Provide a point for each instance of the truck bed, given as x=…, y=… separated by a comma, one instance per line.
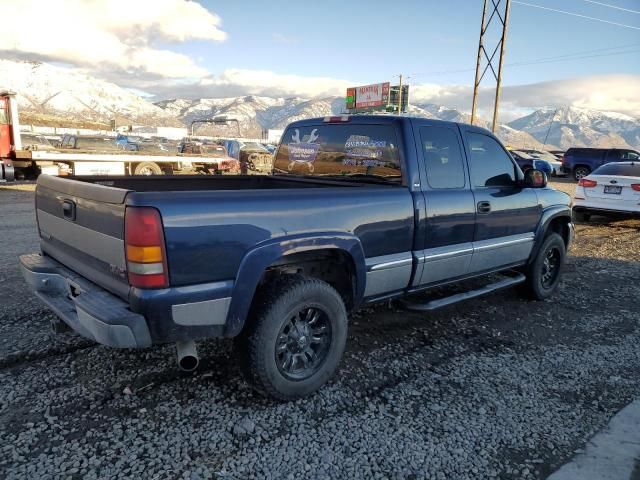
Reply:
x=81, y=220
x=176, y=183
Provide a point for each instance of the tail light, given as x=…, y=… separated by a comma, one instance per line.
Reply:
x=636, y=187
x=144, y=244
x=583, y=182
x=563, y=159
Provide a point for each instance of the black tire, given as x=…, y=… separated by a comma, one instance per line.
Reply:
x=541, y=280
x=581, y=216
x=580, y=172
x=147, y=168
x=268, y=344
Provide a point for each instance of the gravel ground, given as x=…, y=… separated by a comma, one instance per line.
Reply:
x=497, y=387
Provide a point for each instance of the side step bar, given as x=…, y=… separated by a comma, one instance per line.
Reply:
x=459, y=297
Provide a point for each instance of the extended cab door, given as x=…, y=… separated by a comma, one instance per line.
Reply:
x=506, y=213
x=450, y=209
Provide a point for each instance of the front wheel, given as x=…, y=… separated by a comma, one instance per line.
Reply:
x=543, y=273
x=295, y=338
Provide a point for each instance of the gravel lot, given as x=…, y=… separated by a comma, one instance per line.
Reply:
x=497, y=387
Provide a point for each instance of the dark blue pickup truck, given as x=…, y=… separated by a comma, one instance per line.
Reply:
x=359, y=209
x=580, y=162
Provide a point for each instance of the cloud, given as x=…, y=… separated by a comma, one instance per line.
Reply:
x=237, y=82
x=109, y=35
x=607, y=92
x=617, y=93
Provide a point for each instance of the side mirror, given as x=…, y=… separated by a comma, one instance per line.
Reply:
x=535, y=178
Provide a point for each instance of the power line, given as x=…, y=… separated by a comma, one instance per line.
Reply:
x=533, y=61
x=573, y=58
x=576, y=15
x=612, y=6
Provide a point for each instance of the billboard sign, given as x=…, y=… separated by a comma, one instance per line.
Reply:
x=375, y=95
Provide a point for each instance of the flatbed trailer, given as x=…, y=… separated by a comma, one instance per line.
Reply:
x=17, y=162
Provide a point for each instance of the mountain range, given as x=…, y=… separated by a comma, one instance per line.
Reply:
x=50, y=95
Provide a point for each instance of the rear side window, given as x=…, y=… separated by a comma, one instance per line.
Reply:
x=443, y=157
x=339, y=149
x=617, y=169
x=629, y=155
x=491, y=165
x=585, y=152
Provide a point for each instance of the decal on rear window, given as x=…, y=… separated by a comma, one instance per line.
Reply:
x=362, y=151
x=349, y=149
x=303, y=152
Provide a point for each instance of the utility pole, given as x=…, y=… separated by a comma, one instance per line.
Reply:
x=476, y=83
x=546, y=137
x=501, y=16
x=400, y=96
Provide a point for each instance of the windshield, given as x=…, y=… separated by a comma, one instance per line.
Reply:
x=339, y=150
x=253, y=146
x=214, y=150
x=520, y=154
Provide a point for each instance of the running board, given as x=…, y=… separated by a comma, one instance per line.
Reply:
x=459, y=297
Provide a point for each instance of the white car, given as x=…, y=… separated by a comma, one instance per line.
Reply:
x=612, y=188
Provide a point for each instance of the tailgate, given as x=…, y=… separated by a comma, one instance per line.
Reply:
x=81, y=225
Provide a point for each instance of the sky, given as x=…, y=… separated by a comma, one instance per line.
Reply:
x=179, y=48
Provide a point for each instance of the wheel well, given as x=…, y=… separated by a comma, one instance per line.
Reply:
x=333, y=266
x=560, y=225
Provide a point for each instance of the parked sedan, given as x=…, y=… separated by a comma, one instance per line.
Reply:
x=613, y=188
x=526, y=161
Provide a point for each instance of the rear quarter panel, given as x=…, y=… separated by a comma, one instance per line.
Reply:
x=207, y=234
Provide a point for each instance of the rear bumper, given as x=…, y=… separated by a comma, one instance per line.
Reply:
x=150, y=316
x=595, y=206
x=89, y=310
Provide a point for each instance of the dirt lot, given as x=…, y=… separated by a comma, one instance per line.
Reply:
x=498, y=387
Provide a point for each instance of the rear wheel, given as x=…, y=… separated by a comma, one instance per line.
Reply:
x=581, y=172
x=295, y=338
x=148, y=168
x=543, y=273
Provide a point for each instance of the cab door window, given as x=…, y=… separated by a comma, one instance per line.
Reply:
x=490, y=164
x=442, y=157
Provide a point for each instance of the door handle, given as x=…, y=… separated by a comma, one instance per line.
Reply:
x=69, y=209
x=483, y=207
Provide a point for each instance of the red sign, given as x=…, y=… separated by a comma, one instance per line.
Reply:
x=374, y=95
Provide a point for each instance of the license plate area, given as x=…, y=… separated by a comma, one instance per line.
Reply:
x=612, y=189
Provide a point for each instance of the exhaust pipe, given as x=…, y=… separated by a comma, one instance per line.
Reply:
x=188, y=359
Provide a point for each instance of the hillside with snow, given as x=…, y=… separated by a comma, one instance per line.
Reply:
x=254, y=113
x=50, y=91
x=579, y=127
x=57, y=96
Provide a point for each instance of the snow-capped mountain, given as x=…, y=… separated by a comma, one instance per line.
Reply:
x=52, y=95
x=579, y=127
x=510, y=136
x=253, y=113
x=256, y=114
x=52, y=91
